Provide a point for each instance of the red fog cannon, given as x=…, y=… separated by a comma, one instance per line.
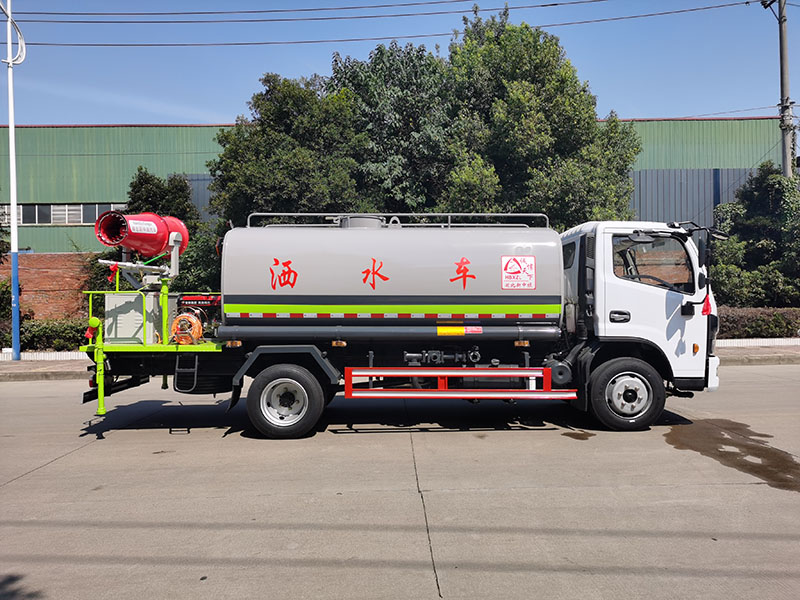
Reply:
x=145, y=233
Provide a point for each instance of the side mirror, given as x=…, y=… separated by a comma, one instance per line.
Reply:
x=702, y=281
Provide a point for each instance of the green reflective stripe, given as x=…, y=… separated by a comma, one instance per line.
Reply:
x=156, y=348
x=537, y=309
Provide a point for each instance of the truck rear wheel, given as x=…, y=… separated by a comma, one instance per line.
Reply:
x=627, y=394
x=285, y=401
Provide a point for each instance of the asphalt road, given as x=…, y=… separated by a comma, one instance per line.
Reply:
x=169, y=496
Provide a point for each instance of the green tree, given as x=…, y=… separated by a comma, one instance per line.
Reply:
x=295, y=154
x=171, y=196
x=501, y=125
x=760, y=264
x=403, y=101
x=5, y=246
x=524, y=111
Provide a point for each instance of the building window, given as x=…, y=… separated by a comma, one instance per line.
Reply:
x=28, y=214
x=5, y=214
x=43, y=214
x=89, y=213
x=56, y=214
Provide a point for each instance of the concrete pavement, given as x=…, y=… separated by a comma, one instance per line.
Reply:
x=170, y=496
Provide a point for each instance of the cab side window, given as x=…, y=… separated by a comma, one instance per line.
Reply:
x=662, y=262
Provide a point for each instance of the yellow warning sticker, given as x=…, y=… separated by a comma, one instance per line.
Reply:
x=449, y=330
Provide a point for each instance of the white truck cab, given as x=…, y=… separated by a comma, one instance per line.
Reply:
x=640, y=290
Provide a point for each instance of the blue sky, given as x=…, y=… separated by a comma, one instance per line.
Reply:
x=668, y=66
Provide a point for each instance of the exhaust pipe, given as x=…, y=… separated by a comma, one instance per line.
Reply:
x=145, y=233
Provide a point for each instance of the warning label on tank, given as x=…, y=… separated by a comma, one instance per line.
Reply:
x=518, y=272
x=142, y=227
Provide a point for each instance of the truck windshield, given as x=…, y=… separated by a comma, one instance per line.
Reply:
x=661, y=262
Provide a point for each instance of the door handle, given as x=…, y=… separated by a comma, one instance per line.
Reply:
x=619, y=316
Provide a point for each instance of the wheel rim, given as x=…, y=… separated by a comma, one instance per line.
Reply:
x=629, y=395
x=284, y=402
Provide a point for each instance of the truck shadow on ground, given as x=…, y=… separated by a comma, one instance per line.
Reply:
x=12, y=589
x=345, y=416
x=350, y=417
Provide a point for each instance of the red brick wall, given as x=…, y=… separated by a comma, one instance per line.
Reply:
x=51, y=283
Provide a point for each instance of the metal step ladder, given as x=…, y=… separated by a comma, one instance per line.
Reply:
x=181, y=370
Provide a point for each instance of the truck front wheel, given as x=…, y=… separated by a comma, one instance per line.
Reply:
x=285, y=401
x=627, y=394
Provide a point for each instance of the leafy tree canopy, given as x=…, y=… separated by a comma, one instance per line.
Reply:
x=760, y=264
x=5, y=245
x=171, y=196
x=501, y=125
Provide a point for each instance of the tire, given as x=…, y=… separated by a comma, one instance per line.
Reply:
x=285, y=401
x=626, y=394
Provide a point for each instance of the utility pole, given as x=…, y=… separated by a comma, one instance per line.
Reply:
x=787, y=123
x=12, y=173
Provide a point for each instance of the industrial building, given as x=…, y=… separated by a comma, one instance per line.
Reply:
x=68, y=175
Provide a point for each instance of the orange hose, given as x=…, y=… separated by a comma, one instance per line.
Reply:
x=186, y=329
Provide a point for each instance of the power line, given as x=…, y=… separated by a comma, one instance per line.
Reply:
x=280, y=10
x=729, y=112
x=361, y=39
x=293, y=19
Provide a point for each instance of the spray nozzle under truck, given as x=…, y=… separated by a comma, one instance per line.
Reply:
x=609, y=316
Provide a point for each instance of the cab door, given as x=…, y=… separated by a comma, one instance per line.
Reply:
x=651, y=292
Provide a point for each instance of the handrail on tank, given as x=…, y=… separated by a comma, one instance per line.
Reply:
x=336, y=217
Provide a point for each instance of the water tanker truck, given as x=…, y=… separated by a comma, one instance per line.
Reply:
x=611, y=317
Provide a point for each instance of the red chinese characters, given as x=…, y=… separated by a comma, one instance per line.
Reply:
x=372, y=273
x=287, y=276
x=462, y=272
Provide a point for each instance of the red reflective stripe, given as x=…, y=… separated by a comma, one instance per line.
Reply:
x=348, y=382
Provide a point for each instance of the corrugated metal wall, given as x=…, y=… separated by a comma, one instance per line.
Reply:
x=96, y=163
x=59, y=238
x=684, y=194
x=687, y=167
x=708, y=143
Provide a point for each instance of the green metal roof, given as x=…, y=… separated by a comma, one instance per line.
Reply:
x=59, y=238
x=708, y=143
x=64, y=165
